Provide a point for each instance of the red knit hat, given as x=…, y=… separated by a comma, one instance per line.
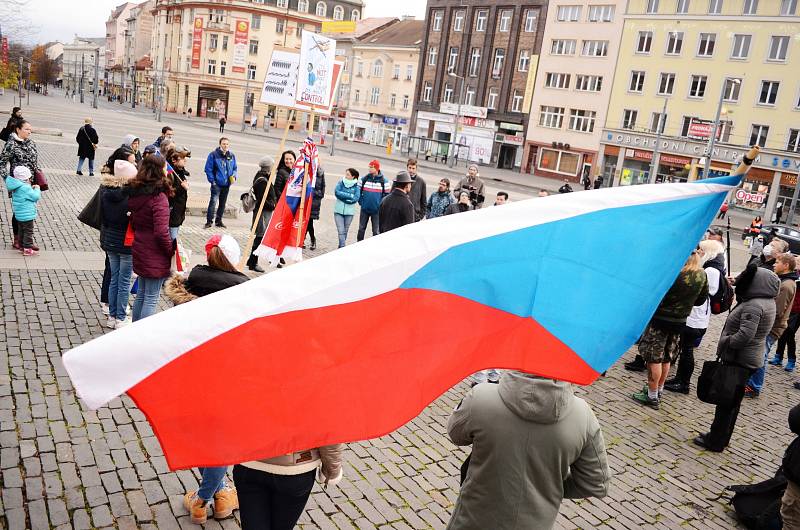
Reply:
x=375, y=164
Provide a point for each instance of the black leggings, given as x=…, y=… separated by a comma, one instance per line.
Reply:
x=14, y=224
x=787, y=340
x=271, y=502
x=310, y=230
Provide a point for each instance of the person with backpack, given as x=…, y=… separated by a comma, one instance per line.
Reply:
x=699, y=318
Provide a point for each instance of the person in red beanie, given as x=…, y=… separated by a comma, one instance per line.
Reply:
x=374, y=187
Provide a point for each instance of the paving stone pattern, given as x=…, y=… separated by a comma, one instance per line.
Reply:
x=63, y=466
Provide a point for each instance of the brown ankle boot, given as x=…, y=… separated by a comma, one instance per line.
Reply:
x=225, y=501
x=198, y=509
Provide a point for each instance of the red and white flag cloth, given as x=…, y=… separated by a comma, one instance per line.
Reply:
x=280, y=240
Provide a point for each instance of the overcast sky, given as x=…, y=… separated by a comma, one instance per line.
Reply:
x=62, y=19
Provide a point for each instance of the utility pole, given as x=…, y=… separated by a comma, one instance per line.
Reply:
x=29, y=84
x=83, y=70
x=19, y=82
x=660, y=126
x=712, y=141
x=133, y=99
x=96, y=86
x=246, y=90
x=452, y=158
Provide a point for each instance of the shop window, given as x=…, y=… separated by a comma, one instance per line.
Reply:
x=558, y=161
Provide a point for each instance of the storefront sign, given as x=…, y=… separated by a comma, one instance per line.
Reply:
x=511, y=126
x=391, y=120
x=701, y=129
x=663, y=159
x=434, y=116
x=509, y=139
x=476, y=122
x=465, y=110
x=339, y=26
x=316, y=77
x=240, y=46
x=197, y=42
x=5, y=49
x=746, y=196
x=355, y=115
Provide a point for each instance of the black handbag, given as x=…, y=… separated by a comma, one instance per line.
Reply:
x=92, y=214
x=721, y=383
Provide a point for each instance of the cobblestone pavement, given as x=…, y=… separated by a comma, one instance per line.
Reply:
x=63, y=466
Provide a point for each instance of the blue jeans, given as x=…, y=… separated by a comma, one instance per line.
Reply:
x=80, y=163
x=173, y=231
x=756, y=381
x=147, y=297
x=342, y=226
x=120, y=285
x=213, y=480
x=217, y=193
x=363, y=219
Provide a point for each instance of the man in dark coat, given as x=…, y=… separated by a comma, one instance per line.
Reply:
x=87, y=144
x=419, y=192
x=396, y=209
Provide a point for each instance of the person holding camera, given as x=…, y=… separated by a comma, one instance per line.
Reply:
x=473, y=185
x=464, y=204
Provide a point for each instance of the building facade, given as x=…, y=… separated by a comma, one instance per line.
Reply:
x=138, y=39
x=477, y=67
x=574, y=77
x=690, y=58
x=115, y=33
x=197, y=66
x=78, y=64
x=381, y=95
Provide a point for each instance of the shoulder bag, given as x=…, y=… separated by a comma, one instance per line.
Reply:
x=721, y=383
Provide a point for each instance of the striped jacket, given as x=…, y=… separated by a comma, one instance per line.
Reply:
x=373, y=190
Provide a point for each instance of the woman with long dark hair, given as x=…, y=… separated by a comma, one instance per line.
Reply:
x=19, y=151
x=152, y=245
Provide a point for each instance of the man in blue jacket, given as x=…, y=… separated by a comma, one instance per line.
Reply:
x=221, y=173
x=374, y=187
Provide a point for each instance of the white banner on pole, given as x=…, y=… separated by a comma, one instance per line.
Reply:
x=316, y=72
x=280, y=82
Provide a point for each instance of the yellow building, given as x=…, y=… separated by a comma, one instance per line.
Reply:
x=691, y=55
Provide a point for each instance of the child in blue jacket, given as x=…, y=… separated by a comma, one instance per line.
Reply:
x=23, y=201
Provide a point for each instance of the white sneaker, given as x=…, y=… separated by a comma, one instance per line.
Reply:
x=121, y=323
x=111, y=323
x=104, y=307
x=127, y=310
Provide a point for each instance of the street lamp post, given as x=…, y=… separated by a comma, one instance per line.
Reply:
x=660, y=126
x=96, y=87
x=246, y=90
x=19, y=82
x=83, y=70
x=452, y=158
x=713, y=140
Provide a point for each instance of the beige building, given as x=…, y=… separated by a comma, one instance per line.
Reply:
x=138, y=39
x=195, y=66
x=381, y=97
x=572, y=89
x=115, y=33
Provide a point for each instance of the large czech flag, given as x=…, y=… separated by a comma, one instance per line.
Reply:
x=352, y=344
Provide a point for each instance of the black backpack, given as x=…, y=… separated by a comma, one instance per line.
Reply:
x=758, y=506
x=722, y=300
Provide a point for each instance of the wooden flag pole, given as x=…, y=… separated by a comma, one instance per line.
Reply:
x=301, y=211
x=272, y=176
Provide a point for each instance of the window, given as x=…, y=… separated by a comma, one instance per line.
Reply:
x=730, y=90
x=589, y=83
x=682, y=7
x=497, y=64
x=253, y=47
x=769, y=92
x=405, y=102
x=524, y=60
x=480, y=20
x=280, y=25
x=601, y=13
x=448, y=93
x=255, y=21
x=674, y=42
x=469, y=96
x=666, y=84
x=741, y=46
x=213, y=40
x=374, y=96
x=283, y=4
x=505, y=20
x=396, y=72
x=224, y=42
x=251, y=72
x=322, y=9
x=714, y=7
x=516, y=101
x=568, y=13
x=778, y=46
x=409, y=72
x=758, y=135
x=706, y=46
x=556, y=80
x=658, y=121
x=392, y=100
x=427, y=92
x=788, y=7
x=212, y=67
x=452, y=59
x=652, y=7
x=697, y=88
x=595, y=48
x=302, y=6
x=637, y=81
x=581, y=120
x=644, y=42
x=474, y=62
x=530, y=21
x=377, y=68
x=356, y=96
x=223, y=67
x=355, y=16
x=217, y=16
x=551, y=117
x=437, y=21
x=432, y=52
x=750, y=7
x=558, y=161
x=458, y=21
x=562, y=47
x=338, y=13
x=794, y=140
x=491, y=99
x=629, y=118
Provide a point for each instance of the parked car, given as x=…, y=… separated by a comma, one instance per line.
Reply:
x=790, y=234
